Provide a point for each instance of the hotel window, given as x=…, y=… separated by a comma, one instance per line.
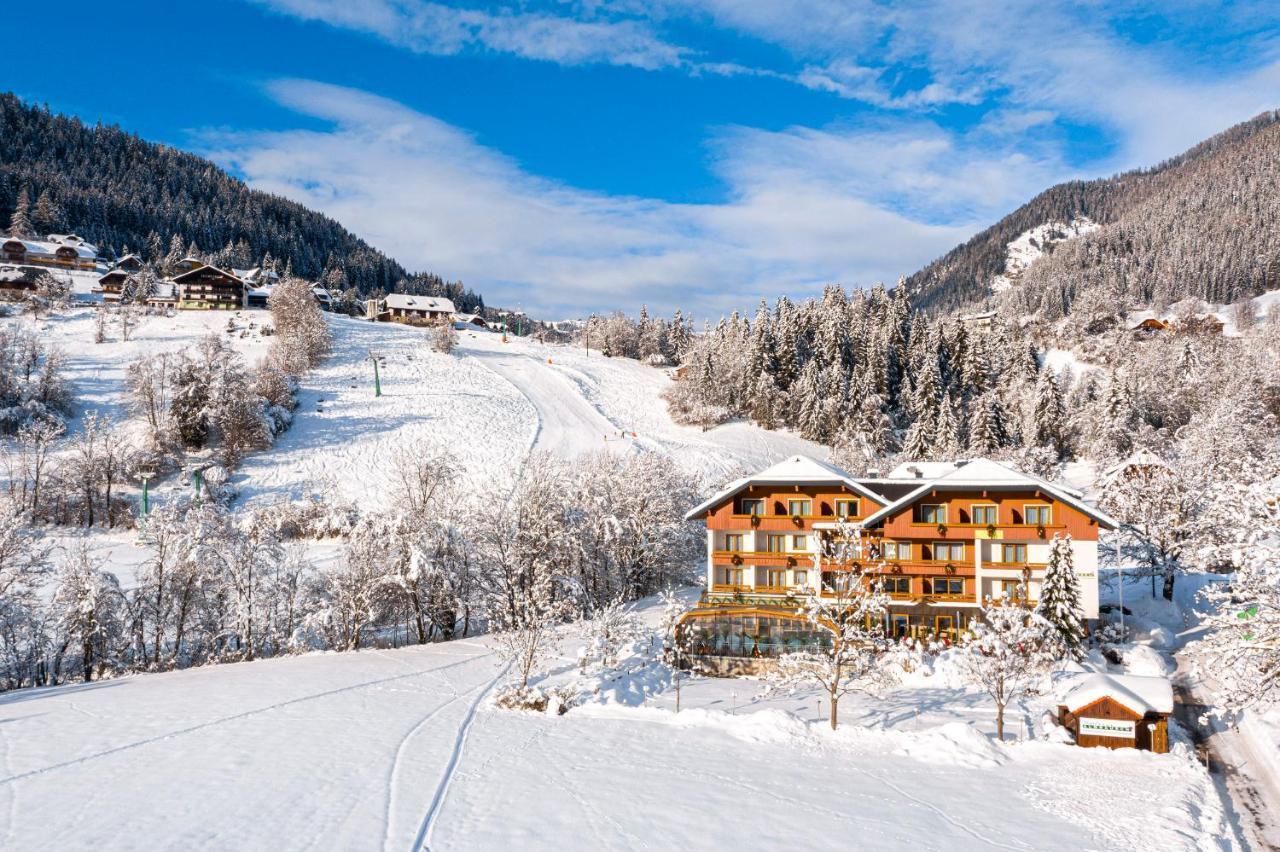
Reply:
x=846, y=508
x=1007, y=589
x=775, y=578
x=899, y=626
x=985, y=515
x=948, y=551
x=1037, y=515
x=1013, y=553
x=775, y=543
x=947, y=585
x=733, y=541
x=801, y=578
x=897, y=585
x=896, y=550
x=752, y=507
x=733, y=576
x=933, y=513
x=944, y=624
x=799, y=542
x=799, y=507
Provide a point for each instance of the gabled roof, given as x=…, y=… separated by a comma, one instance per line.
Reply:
x=1140, y=694
x=987, y=474
x=408, y=302
x=796, y=470
x=204, y=267
x=1142, y=458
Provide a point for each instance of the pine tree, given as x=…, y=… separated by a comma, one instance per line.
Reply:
x=1049, y=412
x=20, y=222
x=988, y=431
x=1059, y=602
x=946, y=441
x=47, y=215
x=917, y=445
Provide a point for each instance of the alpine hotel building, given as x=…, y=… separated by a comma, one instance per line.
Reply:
x=948, y=535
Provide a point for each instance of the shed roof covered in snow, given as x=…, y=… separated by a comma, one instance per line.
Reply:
x=1140, y=694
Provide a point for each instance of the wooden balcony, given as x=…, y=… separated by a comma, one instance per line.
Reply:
x=1016, y=566
x=762, y=557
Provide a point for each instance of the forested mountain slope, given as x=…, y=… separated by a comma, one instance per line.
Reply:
x=1205, y=224
x=118, y=190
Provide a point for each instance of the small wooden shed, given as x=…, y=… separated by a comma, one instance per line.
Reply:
x=1117, y=711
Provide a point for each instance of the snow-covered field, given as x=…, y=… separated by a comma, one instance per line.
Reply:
x=489, y=403
x=400, y=749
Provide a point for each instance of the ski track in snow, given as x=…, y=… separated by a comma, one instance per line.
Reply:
x=423, y=838
x=222, y=720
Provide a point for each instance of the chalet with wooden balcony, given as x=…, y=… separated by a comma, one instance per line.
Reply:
x=59, y=251
x=204, y=287
x=410, y=309
x=941, y=537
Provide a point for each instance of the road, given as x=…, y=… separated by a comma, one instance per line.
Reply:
x=1231, y=757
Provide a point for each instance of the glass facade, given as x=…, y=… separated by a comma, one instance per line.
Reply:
x=742, y=635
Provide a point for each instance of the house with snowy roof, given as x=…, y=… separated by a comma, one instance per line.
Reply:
x=411, y=309
x=939, y=537
x=60, y=251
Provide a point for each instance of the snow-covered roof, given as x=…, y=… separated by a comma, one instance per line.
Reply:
x=988, y=474
x=796, y=470
x=204, y=266
x=1141, y=459
x=54, y=242
x=921, y=470
x=407, y=302
x=1140, y=694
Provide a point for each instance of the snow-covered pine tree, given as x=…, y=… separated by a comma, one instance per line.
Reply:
x=1047, y=416
x=1059, y=603
x=20, y=222
x=946, y=432
x=918, y=443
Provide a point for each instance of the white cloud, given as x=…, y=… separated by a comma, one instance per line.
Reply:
x=428, y=27
x=806, y=207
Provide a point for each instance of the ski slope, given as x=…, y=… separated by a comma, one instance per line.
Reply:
x=490, y=404
x=399, y=750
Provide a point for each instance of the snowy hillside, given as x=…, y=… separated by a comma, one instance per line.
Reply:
x=398, y=749
x=1031, y=245
x=490, y=403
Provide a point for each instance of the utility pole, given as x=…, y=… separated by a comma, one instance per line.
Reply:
x=377, y=378
x=197, y=480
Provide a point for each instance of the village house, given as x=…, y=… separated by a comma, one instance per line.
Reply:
x=60, y=251
x=410, y=309
x=941, y=537
x=203, y=287
x=979, y=322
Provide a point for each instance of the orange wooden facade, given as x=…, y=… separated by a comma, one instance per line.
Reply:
x=1151, y=731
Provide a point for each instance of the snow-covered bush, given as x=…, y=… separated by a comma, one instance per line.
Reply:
x=443, y=338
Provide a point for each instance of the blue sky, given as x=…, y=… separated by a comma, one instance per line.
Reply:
x=572, y=156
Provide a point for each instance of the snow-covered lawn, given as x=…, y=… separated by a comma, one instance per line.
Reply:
x=399, y=748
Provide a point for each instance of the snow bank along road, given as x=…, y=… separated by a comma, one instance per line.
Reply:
x=397, y=749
